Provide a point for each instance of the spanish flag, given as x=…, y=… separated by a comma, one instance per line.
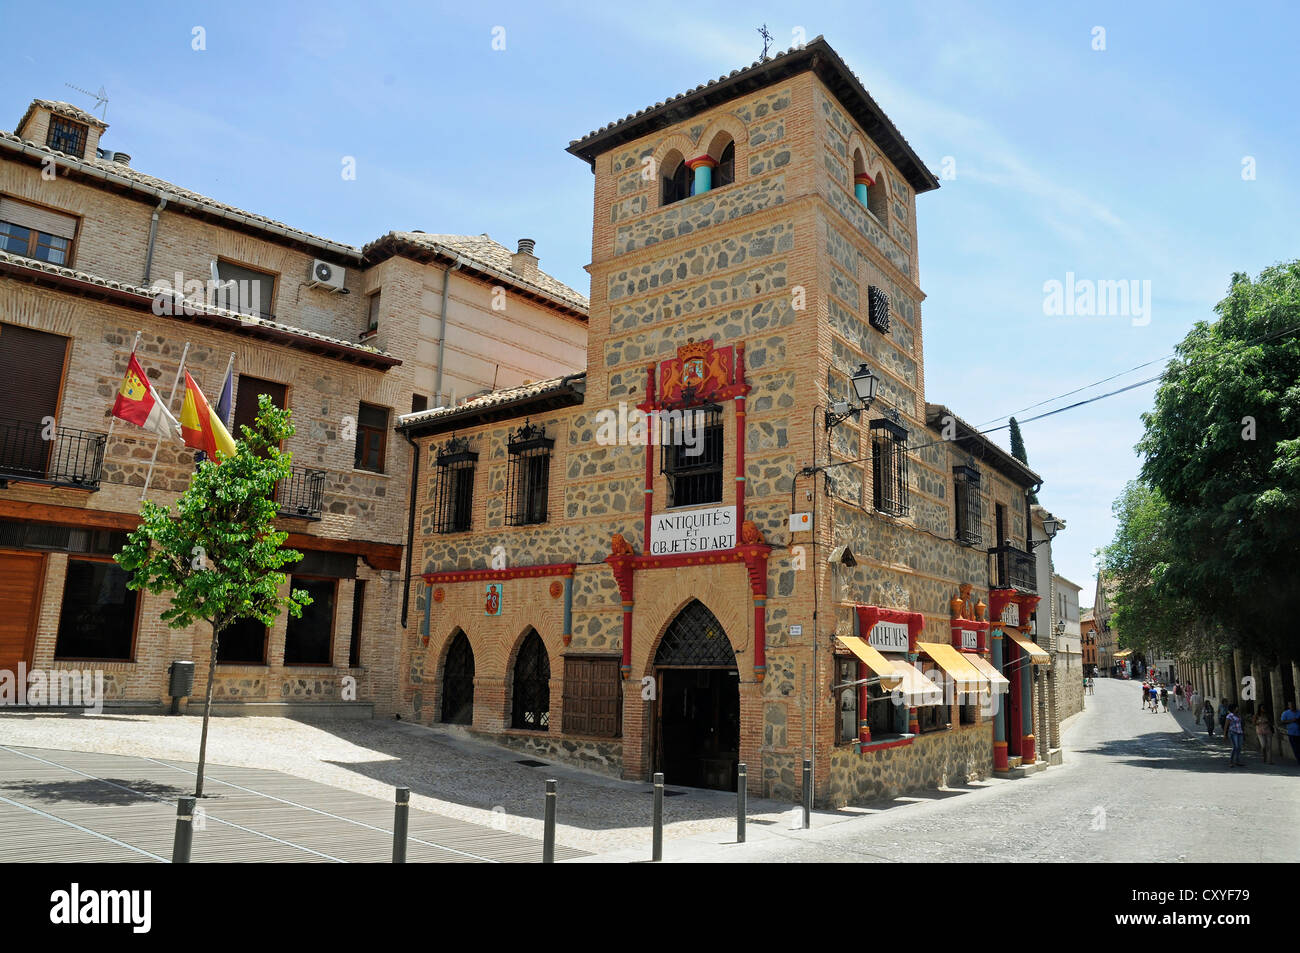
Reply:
x=201, y=428
x=138, y=403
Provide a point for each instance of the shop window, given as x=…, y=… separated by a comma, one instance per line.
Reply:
x=846, y=669
x=676, y=181
x=455, y=495
x=309, y=639
x=242, y=643
x=531, y=696
x=528, y=476
x=35, y=232
x=97, y=619
x=372, y=438
x=889, y=467
x=969, y=714
x=968, y=505
x=67, y=136
x=593, y=696
x=882, y=715
x=692, y=455
x=933, y=717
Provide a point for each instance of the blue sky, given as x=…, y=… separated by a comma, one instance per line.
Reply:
x=1116, y=164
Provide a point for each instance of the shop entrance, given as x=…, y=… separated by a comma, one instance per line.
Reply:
x=697, y=724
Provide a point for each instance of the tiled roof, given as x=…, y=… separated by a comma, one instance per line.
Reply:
x=816, y=55
x=496, y=399
x=102, y=168
x=981, y=446
x=60, y=108
x=36, y=266
x=490, y=256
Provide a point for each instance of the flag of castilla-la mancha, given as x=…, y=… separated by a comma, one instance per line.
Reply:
x=138, y=403
x=201, y=428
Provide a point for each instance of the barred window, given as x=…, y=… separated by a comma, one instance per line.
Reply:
x=878, y=311
x=968, y=505
x=692, y=454
x=889, y=467
x=67, y=136
x=455, y=497
x=528, y=479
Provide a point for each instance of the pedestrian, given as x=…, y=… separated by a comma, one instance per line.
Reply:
x=1146, y=694
x=1223, y=713
x=1164, y=697
x=1233, y=732
x=1207, y=716
x=1291, y=722
x=1155, y=700
x=1264, y=732
x=1194, y=702
x=1178, y=695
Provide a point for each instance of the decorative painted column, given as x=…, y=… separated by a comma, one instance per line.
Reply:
x=648, y=408
x=913, y=655
x=754, y=551
x=740, y=434
x=703, y=167
x=861, y=182
x=567, y=635
x=621, y=561
x=1000, y=713
x=1028, y=745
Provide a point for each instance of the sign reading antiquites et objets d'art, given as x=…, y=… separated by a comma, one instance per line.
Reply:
x=693, y=531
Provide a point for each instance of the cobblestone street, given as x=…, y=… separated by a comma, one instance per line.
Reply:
x=1134, y=787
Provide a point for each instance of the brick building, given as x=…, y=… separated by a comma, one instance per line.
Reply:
x=92, y=252
x=704, y=550
x=1088, y=642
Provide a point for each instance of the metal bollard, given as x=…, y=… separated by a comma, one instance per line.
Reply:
x=657, y=848
x=184, y=838
x=807, y=794
x=548, y=829
x=741, y=808
x=401, y=818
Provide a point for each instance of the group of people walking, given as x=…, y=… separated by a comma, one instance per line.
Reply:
x=1155, y=696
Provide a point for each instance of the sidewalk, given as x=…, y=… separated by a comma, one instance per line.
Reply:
x=1249, y=753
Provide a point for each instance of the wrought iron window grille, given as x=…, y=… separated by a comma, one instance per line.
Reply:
x=889, y=467
x=695, y=638
x=531, y=703
x=693, y=468
x=968, y=505
x=455, y=494
x=878, y=308
x=528, y=475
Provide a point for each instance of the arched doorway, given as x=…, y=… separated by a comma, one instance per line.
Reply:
x=458, y=682
x=531, y=698
x=697, y=724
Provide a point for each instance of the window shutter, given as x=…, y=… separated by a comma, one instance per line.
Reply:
x=40, y=219
x=31, y=366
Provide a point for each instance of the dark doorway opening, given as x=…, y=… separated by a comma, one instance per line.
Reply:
x=458, y=683
x=697, y=731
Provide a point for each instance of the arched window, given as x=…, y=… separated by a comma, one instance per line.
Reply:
x=531, y=708
x=458, y=682
x=877, y=200
x=676, y=178
x=725, y=173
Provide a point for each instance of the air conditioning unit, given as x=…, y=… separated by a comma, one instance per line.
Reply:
x=325, y=275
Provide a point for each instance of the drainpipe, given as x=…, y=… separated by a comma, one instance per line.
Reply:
x=442, y=327
x=153, y=233
x=410, y=526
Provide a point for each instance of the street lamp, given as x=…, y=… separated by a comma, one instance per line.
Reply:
x=865, y=385
x=1051, y=526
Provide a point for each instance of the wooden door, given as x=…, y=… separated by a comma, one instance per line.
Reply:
x=22, y=577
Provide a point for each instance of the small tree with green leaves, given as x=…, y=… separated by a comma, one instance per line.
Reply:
x=216, y=550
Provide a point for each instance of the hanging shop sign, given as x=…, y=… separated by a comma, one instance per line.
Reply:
x=1011, y=614
x=888, y=637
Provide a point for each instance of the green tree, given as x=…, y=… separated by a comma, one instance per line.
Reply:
x=1018, y=451
x=1223, y=448
x=216, y=551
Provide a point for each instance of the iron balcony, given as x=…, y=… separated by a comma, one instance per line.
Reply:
x=1014, y=568
x=32, y=452
x=301, y=495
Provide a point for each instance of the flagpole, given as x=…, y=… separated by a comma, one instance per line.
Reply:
x=180, y=369
x=112, y=421
x=230, y=366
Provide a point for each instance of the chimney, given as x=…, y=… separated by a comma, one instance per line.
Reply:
x=524, y=262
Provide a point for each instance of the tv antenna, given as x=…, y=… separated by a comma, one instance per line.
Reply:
x=100, y=98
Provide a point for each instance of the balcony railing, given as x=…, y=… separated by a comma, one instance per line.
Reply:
x=33, y=452
x=301, y=495
x=1014, y=569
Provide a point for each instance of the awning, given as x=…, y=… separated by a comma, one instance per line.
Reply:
x=1124, y=654
x=915, y=688
x=996, y=679
x=1037, y=654
x=889, y=677
x=966, y=677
